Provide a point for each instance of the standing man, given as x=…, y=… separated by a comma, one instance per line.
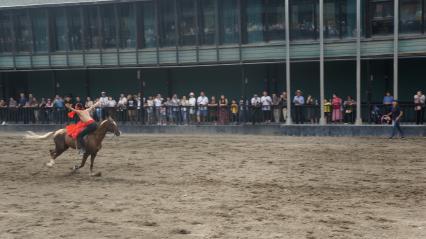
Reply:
x=266, y=102
x=396, y=115
x=100, y=112
x=298, y=102
x=158, y=102
x=202, y=103
x=419, y=106
x=192, y=102
x=255, y=108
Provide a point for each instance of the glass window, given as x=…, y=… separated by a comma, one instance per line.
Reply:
x=229, y=22
x=6, y=43
x=348, y=18
x=60, y=36
x=75, y=29
x=331, y=19
x=275, y=20
x=187, y=22
x=208, y=22
x=127, y=28
x=91, y=27
x=410, y=16
x=148, y=15
x=303, y=23
x=39, y=20
x=108, y=27
x=167, y=23
x=254, y=21
x=22, y=32
x=381, y=12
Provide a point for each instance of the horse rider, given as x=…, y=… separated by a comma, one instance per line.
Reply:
x=85, y=126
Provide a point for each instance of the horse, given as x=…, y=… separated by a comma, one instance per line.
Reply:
x=93, y=142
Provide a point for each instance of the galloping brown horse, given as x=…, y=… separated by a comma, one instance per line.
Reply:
x=93, y=142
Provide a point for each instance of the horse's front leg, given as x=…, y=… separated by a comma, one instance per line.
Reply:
x=92, y=160
x=83, y=162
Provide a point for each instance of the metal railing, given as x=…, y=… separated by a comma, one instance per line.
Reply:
x=185, y=115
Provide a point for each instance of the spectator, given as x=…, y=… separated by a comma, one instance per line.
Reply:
x=49, y=110
x=299, y=102
x=111, y=107
x=310, y=109
x=234, y=111
x=336, y=103
x=149, y=106
x=349, y=105
x=223, y=110
x=100, y=111
x=243, y=111
x=327, y=110
x=89, y=103
x=158, y=102
x=174, y=103
x=255, y=108
x=78, y=101
x=184, y=104
x=22, y=100
x=212, y=106
x=202, y=103
x=276, y=108
x=387, y=102
x=283, y=103
x=419, y=107
x=3, y=115
x=131, y=108
x=266, y=102
x=396, y=115
x=163, y=114
x=192, y=103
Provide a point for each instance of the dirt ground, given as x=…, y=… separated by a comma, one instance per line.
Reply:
x=169, y=186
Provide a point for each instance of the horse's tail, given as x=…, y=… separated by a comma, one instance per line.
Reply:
x=32, y=135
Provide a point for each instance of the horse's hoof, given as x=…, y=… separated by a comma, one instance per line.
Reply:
x=98, y=174
x=49, y=165
x=75, y=168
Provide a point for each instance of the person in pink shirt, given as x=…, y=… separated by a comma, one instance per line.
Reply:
x=336, y=103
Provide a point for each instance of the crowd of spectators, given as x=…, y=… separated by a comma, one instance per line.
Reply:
x=192, y=109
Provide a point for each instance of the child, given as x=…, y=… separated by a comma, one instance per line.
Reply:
x=327, y=110
x=234, y=111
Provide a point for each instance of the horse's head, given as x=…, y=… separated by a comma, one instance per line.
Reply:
x=112, y=127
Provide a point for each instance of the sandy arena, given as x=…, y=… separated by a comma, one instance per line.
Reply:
x=165, y=186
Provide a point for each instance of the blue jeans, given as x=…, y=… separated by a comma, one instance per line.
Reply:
x=396, y=127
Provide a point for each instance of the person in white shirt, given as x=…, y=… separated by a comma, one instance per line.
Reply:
x=419, y=107
x=202, y=103
x=255, y=109
x=150, y=110
x=266, y=102
x=158, y=102
x=298, y=102
x=184, y=103
x=192, y=102
x=103, y=103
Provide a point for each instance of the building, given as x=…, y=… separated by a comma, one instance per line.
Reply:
x=231, y=47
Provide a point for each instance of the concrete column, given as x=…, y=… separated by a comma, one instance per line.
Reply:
x=358, y=120
x=321, y=30
x=287, y=61
x=395, y=48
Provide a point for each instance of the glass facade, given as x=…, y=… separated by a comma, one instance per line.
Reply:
x=22, y=29
x=148, y=25
x=75, y=29
x=410, y=16
x=171, y=23
x=167, y=22
x=127, y=26
x=6, y=40
x=109, y=27
x=40, y=32
x=229, y=23
x=91, y=28
x=381, y=17
x=304, y=20
x=208, y=22
x=187, y=22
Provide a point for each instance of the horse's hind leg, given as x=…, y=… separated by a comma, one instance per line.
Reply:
x=83, y=162
x=60, y=147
